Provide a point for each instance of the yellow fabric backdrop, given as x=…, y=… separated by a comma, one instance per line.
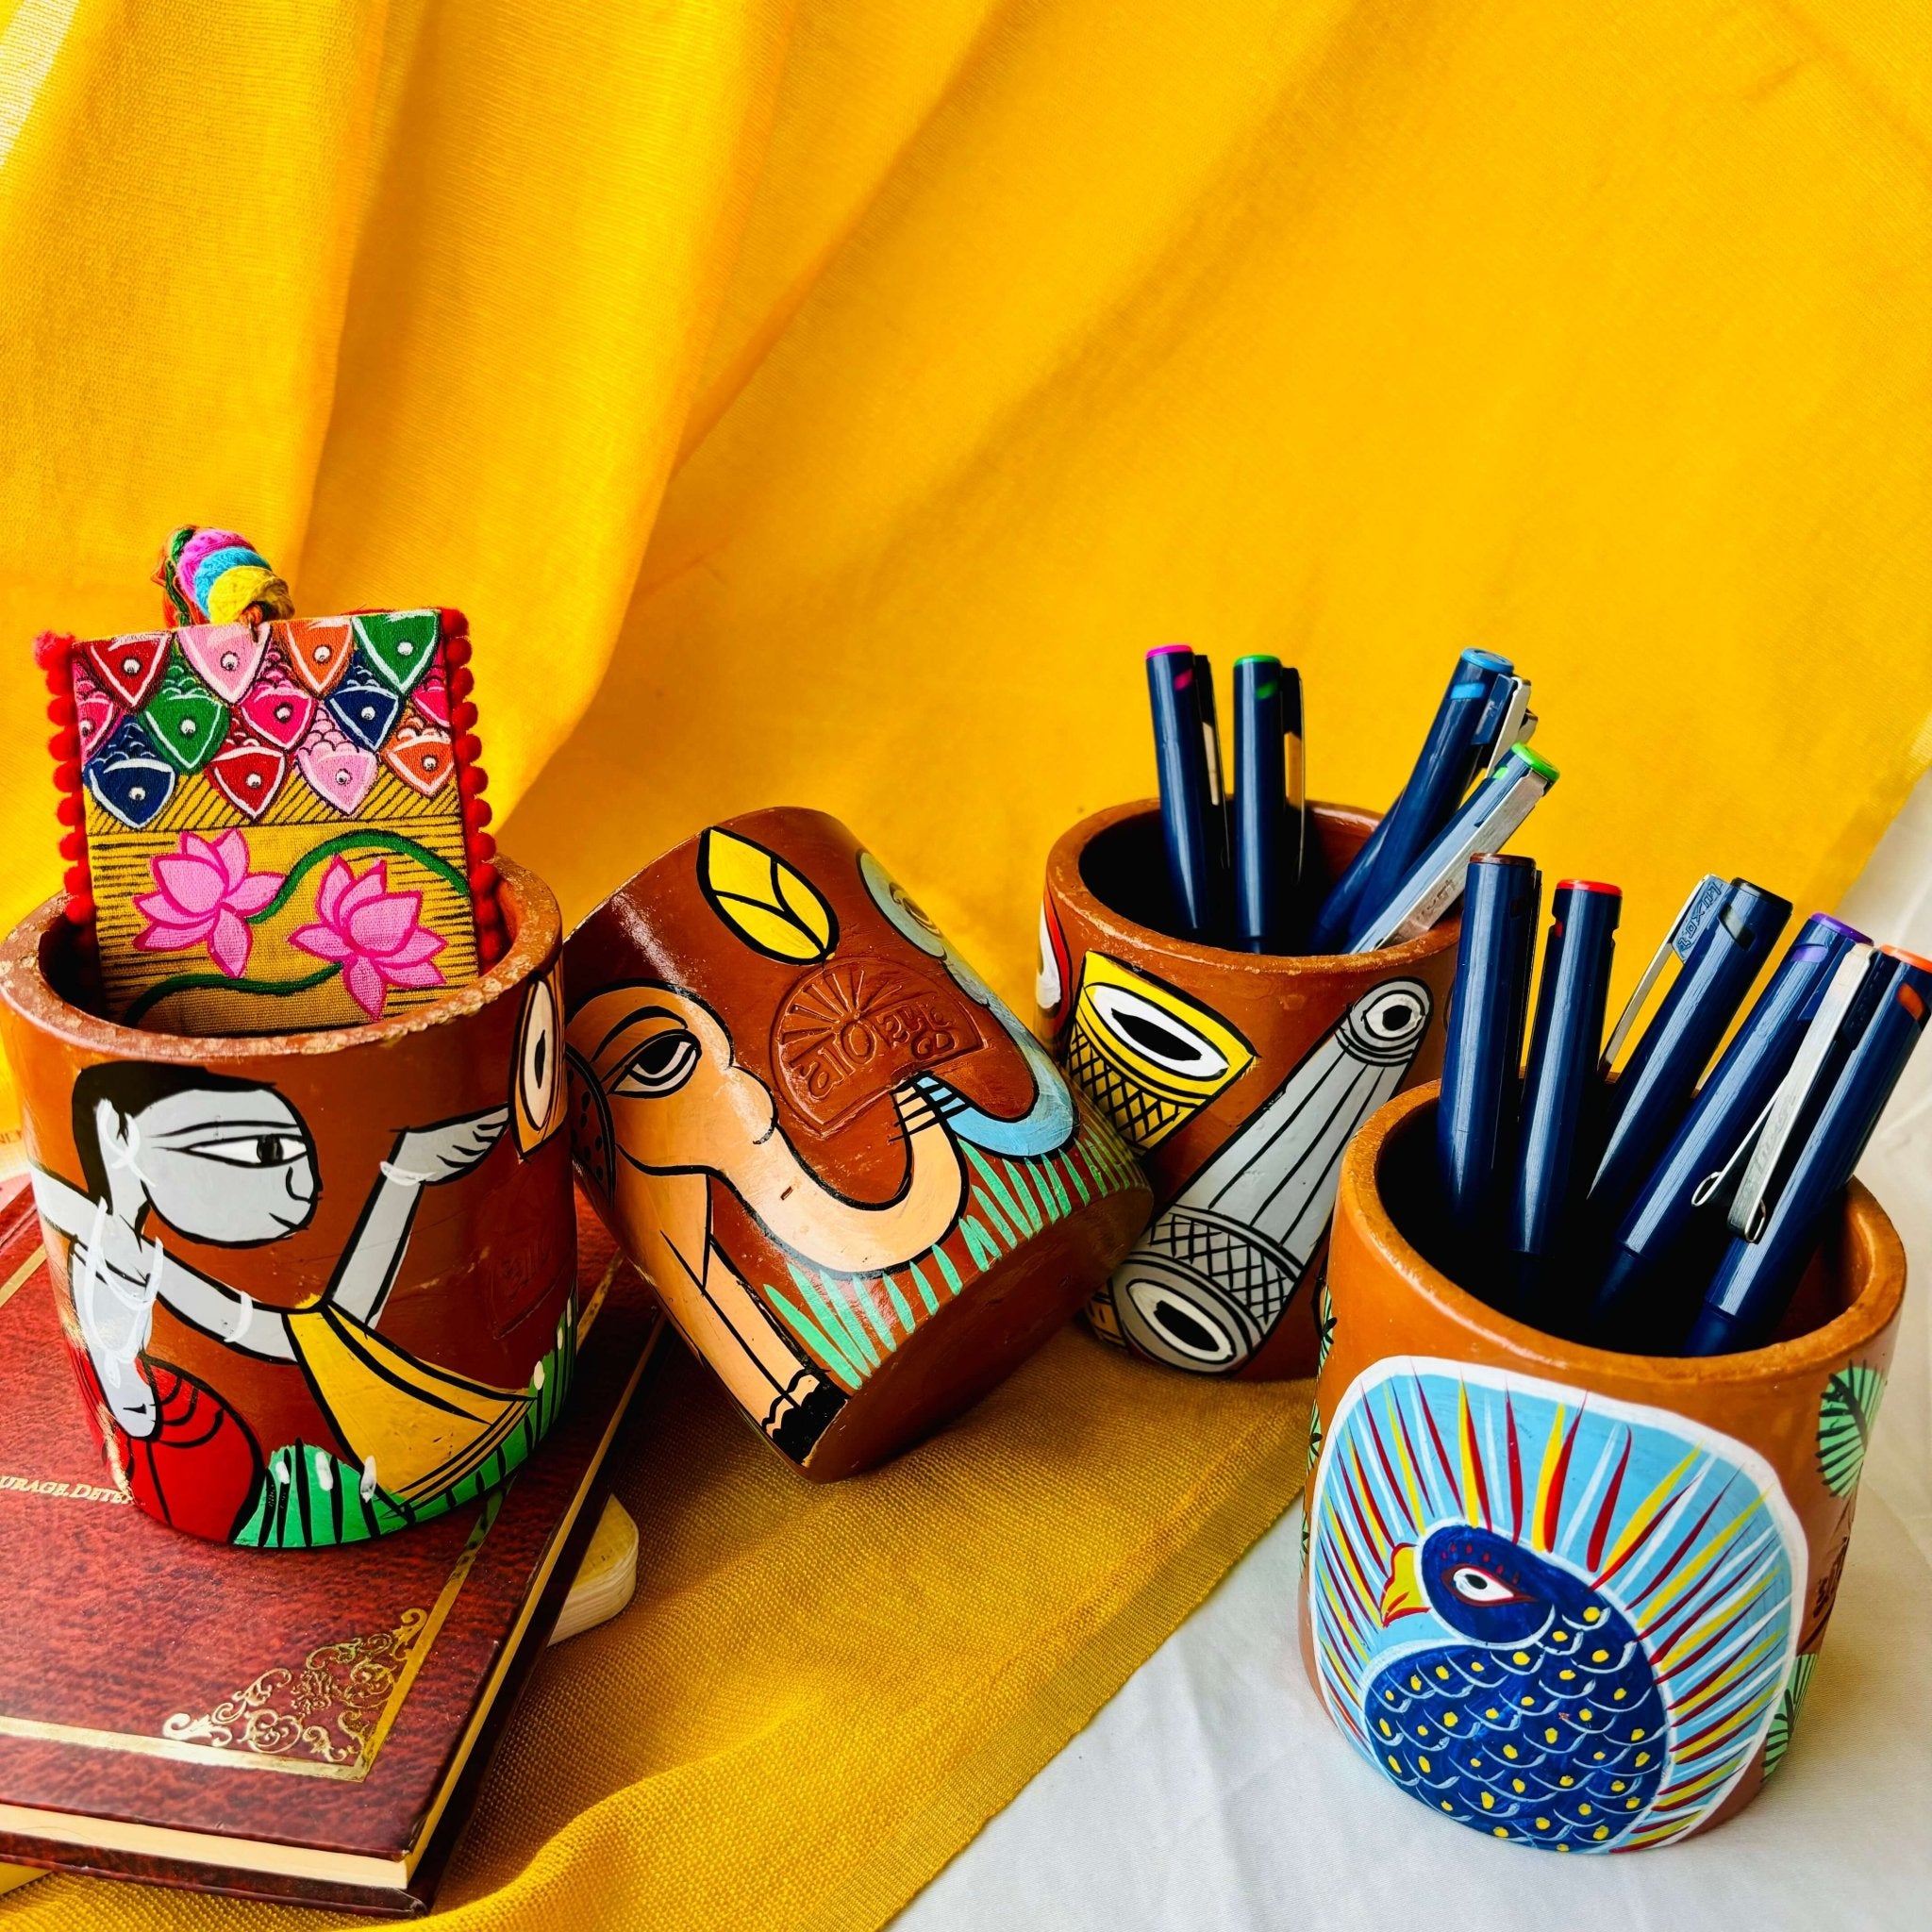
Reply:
x=826, y=403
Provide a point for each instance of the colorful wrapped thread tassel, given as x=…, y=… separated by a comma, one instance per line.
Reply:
x=216, y=576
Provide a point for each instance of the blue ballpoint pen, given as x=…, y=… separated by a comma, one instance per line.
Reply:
x=1261, y=887
x=1730, y=1101
x=1486, y=823
x=1180, y=756
x=1757, y=1277
x=1219, y=833
x=1450, y=758
x=1647, y=1100
x=1426, y=801
x=1475, y=1115
x=1561, y=1087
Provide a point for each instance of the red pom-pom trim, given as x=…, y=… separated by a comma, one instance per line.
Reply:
x=60, y=708
x=64, y=745
x=51, y=649
x=68, y=811
x=80, y=908
x=472, y=782
x=73, y=844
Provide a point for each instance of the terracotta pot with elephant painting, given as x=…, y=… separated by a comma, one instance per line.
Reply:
x=317, y=1286
x=1237, y=1078
x=862, y=1190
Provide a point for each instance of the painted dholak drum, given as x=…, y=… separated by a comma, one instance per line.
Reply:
x=1566, y=1597
x=317, y=1286
x=861, y=1188
x=1237, y=1078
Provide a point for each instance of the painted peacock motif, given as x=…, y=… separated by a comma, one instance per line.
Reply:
x=1557, y=1619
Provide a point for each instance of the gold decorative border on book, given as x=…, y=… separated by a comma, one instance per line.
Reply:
x=181, y=1734
x=241, y=1754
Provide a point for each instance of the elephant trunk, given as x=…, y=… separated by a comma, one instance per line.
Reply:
x=847, y=1237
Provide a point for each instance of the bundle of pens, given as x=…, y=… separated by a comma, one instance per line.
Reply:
x=1244, y=869
x=1650, y=1213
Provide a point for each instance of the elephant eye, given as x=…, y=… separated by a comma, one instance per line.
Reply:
x=660, y=1066
x=1475, y=1585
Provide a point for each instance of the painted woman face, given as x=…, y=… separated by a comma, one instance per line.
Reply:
x=231, y=1167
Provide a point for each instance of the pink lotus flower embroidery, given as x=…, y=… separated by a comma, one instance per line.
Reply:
x=204, y=892
x=372, y=932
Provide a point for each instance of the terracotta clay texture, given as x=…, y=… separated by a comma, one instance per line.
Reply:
x=860, y=1186
x=1236, y=1077
x=1567, y=1597
x=317, y=1286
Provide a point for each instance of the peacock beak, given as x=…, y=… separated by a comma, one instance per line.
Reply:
x=1402, y=1594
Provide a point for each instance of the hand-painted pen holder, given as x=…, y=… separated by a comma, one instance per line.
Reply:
x=317, y=1286
x=1563, y=1596
x=862, y=1190
x=1237, y=1078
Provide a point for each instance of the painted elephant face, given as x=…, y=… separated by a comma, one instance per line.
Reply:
x=663, y=1095
x=676, y=1098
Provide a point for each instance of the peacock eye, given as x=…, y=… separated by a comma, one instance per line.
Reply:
x=1475, y=1585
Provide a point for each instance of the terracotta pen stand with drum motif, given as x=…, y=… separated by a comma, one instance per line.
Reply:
x=1566, y=1597
x=862, y=1190
x=317, y=1286
x=1237, y=1078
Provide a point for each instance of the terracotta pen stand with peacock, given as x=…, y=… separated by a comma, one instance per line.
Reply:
x=1567, y=1597
x=289, y=1053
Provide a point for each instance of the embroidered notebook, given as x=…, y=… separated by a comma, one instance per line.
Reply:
x=273, y=822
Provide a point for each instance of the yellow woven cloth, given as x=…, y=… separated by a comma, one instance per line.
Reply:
x=818, y=1695
x=827, y=403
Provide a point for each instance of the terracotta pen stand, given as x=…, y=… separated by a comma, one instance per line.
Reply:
x=862, y=1190
x=1567, y=1597
x=317, y=1286
x=1237, y=1078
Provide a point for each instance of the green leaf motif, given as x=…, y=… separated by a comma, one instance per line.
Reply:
x=1314, y=1438
x=1777, y=1740
x=1845, y=1419
x=1325, y=1326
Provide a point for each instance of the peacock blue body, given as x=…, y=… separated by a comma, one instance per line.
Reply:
x=1556, y=1618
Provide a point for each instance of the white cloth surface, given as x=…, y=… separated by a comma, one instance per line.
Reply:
x=1213, y=1792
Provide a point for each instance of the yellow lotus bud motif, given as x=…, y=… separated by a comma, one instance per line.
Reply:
x=772, y=907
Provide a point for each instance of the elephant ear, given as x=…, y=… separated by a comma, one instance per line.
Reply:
x=773, y=909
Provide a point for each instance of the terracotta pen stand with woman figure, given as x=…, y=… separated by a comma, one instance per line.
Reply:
x=318, y=1287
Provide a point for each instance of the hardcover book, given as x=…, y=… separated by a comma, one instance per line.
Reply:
x=297, y=1725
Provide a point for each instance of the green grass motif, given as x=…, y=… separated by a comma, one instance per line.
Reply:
x=850, y=1324
x=311, y=1499
x=1845, y=1419
x=1777, y=1740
